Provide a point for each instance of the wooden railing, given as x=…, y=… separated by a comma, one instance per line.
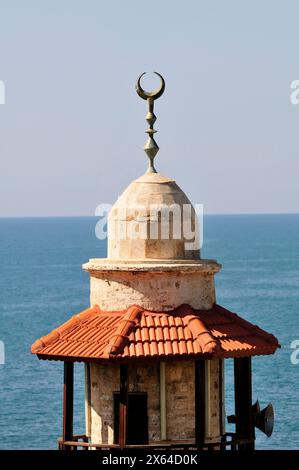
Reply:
x=229, y=440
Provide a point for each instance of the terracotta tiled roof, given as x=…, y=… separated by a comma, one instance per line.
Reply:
x=137, y=333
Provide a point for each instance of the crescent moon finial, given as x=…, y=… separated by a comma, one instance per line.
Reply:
x=151, y=147
x=150, y=94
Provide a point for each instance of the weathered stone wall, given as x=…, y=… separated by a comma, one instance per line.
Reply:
x=214, y=395
x=145, y=378
x=105, y=381
x=120, y=290
x=180, y=399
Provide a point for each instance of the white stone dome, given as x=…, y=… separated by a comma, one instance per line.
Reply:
x=153, y=219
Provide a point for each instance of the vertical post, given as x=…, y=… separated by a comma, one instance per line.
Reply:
x=243, y=402
x=87, y=399
x=68, y=402
x=163, y=402
x=200, y=403
x=207, y=371
x=123, y=404
x=221, y=397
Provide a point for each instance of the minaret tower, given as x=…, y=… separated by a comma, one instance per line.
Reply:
x=151, y=264
x=154, y=340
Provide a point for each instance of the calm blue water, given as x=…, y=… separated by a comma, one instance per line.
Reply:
x=42, y=285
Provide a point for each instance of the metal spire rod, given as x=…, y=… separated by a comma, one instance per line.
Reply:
x=151, y=147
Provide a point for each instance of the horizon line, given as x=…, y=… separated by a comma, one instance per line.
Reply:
x=95, y=216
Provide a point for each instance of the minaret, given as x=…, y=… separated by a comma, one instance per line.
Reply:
x=151, y=264
x=153, y=339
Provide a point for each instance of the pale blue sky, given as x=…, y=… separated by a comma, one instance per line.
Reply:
x=72, y=128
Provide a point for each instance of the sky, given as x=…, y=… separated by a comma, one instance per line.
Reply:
x=72, y=126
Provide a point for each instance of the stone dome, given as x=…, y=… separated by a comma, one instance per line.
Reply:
x=153, y=220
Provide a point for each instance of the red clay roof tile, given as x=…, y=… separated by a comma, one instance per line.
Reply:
x=138, y=333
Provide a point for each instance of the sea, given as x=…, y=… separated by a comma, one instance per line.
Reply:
x=42, y=285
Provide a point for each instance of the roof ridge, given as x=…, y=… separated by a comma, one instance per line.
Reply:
x=120, y=338
x=199, y=330
x=66, y=327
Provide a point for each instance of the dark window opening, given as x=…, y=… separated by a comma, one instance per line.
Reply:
x=137, y=419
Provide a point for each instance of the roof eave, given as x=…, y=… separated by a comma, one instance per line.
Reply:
x=164, y=358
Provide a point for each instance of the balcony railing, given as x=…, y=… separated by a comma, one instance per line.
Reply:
x=81, y=442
